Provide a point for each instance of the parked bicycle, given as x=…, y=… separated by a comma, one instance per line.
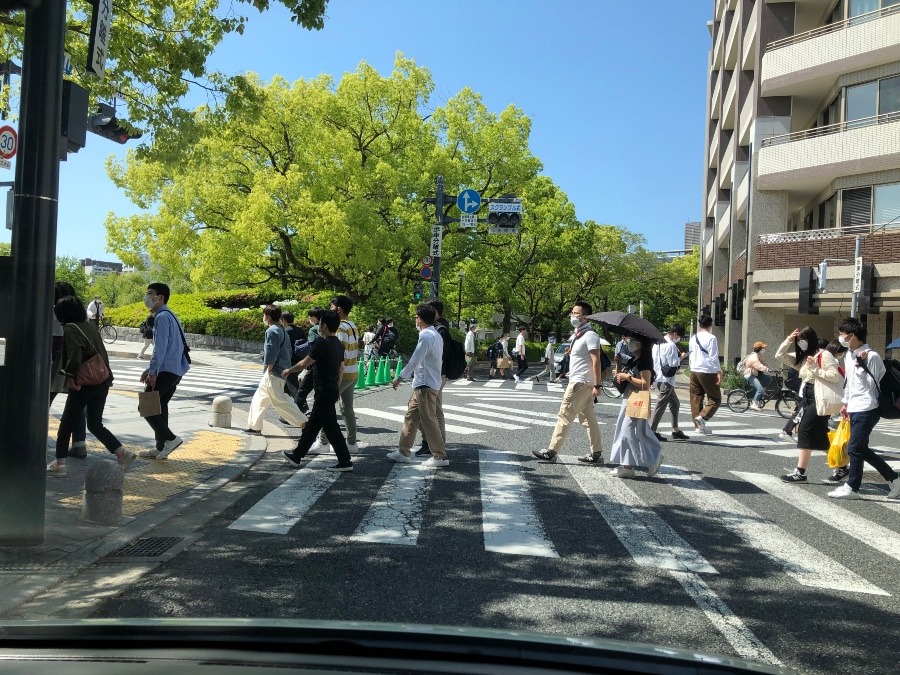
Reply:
x=609, y=387
x=786, y=401
x=108, y=332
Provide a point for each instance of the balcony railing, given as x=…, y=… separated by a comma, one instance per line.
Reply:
x=820, y=235
x=833, y=27
x=884, y=118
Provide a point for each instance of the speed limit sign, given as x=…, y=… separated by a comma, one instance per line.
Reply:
x=8, y=142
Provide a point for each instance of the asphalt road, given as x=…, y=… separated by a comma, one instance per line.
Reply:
x=712, y=554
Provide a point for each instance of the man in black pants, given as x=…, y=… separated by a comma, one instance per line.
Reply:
x=306, y=384
x=327, y=359
x=442, y=326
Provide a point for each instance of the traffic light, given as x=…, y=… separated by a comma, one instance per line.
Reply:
x=418, y=291
x=104, y=123
x=504, y=216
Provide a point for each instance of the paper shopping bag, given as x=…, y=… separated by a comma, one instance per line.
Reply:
x=837, y=451
x=639, y=405
x=149, y=403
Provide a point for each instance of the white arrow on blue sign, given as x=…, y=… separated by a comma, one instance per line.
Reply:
x=468, y=201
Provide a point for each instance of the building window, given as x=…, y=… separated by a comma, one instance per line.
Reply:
x=858, y=7
x=862, y=102
x=828, y=213
x=856, y=207
x=889, y=94
x=887, y=203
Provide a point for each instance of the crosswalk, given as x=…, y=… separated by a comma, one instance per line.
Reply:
x=205, y=381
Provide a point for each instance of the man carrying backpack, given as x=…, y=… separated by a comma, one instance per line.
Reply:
x=864, y=369
x=442, y=326
x=666, y=361
x=299, y=350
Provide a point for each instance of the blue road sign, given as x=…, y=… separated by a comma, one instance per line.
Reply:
x=468, y=201
x=426, y=272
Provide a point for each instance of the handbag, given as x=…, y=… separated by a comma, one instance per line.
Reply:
x=149, y=403
x=91, y=372
x=638, y=406
x=837, y=450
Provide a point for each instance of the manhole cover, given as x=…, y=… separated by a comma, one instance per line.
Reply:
x=146, y=547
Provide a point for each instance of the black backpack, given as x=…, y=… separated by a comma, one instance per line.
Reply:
x=492, y=351
x=454, y=362
x=888, y=389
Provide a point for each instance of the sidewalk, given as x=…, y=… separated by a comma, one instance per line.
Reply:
x=154, y=490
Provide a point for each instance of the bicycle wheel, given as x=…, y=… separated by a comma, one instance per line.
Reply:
x=785, y=404
x=609, y=388
x=108, y=333
x=738, y=400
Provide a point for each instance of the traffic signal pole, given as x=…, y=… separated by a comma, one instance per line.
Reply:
x=25, y=377
x=439, y=232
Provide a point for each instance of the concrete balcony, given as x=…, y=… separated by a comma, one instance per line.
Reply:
x=716, y=100
x=729, y=108
x=808, y=160
x=712, y=199
x=742, y=196
x=746, y=120
x=807, y=65
x=731, y=43
x=708, y=246
x=750, y=45
x=723, y=225
x=727, y=165
x=714, y=149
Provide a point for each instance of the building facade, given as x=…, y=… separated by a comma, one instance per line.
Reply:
x=802, y=156
x=94, y=268
x=693, y=235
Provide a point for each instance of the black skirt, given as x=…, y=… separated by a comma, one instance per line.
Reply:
x=813, y=431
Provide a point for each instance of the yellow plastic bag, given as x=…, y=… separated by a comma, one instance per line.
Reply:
x=837, y=451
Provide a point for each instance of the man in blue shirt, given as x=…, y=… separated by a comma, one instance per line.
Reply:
x=169, y=363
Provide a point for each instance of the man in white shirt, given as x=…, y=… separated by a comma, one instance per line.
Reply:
x=469, y=348
x=521, y=362
x=584, y=385
x=706, y=374
x=95, y=311
x=666, y=360
x=864, y=369
x=424, y=408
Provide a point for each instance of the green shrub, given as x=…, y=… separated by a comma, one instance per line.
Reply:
x=732, y=379
x=243, y=325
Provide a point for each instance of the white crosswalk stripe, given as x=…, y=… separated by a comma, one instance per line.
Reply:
x=395, y=516
x=205, y=380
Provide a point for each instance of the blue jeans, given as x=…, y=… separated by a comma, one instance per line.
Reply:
x=861, y=425
x=760, y=382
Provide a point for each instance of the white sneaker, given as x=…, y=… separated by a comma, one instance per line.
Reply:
x=701, y=425
x=844, y=492
x=353, y=448
x=434, y=463
x=169, y=446
x=58, y=470
x=399, y=457
x=516, y=378
x=786, y=437
x=622, y=472
x=894, y=489
x=126, y=459
x=652, y=470
x=319, y=446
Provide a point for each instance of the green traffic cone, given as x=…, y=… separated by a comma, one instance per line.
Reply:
x=371, y=374
x=384, y=375
x=360, y=381
x=398, y=367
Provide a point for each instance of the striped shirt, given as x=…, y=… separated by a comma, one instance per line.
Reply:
x=348, y=334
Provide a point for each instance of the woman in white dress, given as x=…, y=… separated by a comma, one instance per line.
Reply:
x=634, y=443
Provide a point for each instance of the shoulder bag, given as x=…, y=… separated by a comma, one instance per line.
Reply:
x=92, y=371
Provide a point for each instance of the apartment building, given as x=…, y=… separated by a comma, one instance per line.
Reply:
x=802, y=156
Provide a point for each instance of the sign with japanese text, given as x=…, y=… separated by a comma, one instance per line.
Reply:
x=98, y=42
x=437, y=233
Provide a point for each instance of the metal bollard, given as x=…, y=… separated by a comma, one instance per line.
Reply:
x=221, y=412
x=102, y=497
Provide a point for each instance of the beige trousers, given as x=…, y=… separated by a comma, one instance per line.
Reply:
x=578, y=401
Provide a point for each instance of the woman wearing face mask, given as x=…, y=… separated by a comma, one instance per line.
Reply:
x=634, y=443
x=820, y=394
x=757, y=373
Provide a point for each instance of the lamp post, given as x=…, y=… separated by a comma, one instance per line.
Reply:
x=461, y=274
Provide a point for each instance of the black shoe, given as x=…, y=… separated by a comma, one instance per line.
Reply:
x=291, y=458
x=680, y=435
x=838, y=475
x=795, y=477
x=340, y=467
x=252, y=431
x=592, y=458
x=423, y=452
x=537, y=379
x=660, y=437
x=546, y=455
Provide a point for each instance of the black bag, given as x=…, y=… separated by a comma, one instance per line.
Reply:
x=301, y=349
x=491, y=352
x=456, y=361
x=888, y=388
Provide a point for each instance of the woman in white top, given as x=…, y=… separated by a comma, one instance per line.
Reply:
x=757, y=373
x=820, y=394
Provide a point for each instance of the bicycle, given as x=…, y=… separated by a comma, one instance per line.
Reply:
x=608, y=386
x=108, y=332
x=786, y=400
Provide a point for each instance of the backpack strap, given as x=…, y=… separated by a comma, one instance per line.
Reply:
x=702, y=348
x=862, y=365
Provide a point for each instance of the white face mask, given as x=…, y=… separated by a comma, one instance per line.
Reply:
x=762, y=351
x=149, y=302
x=575, y=321
x=802, y=344
x=845, y=341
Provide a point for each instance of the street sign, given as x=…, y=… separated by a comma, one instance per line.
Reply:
x=426, y=272
x=68, y=68
x=427, y=260
x=437, y=233
x=5, y=164
x=98, y=39
x=468, y=201
x=9, y=141
x=857, y=275
x=468, y=220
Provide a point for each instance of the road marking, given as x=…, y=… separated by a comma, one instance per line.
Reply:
x=510, y=521
x=493, y=384
x=283, y=507
x=395, y=516
x=469, y=419
x=789, y=452
x=853, y=525
x=649, y=540
x=394, y=417
x=492, y=416
x=461, y=383
x=746, y=432
x=532, y=413
x=525, y=385
x=798, y=559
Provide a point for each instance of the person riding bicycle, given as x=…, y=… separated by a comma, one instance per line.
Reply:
x=757, y=373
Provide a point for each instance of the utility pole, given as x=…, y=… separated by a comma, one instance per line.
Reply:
x=437, y=235
x=25, y=379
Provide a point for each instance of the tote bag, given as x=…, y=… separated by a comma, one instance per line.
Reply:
x=638, y=406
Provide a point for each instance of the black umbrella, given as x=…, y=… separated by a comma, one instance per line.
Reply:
x=628, y=324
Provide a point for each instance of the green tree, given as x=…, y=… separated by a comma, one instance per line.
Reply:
x=4, y=248
x=69, y=269
x=120, y=289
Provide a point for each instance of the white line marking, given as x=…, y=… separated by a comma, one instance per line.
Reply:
x=283, y=507
x=469, y=419
x=798, y=559
x=461, y=383
x=649, y=540
x=492, y=416
x=789, y=452
x=821, y=508
x=371, y=412
x=525, y=385
x=501, y=408
x=395, y=516
x=493, y=384
x=510, y=521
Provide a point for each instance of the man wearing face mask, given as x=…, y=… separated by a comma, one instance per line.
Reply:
x=584, y=384
x=706, y=374
x=169, y=363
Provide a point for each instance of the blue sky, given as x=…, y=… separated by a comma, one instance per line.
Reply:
x=615, y=92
